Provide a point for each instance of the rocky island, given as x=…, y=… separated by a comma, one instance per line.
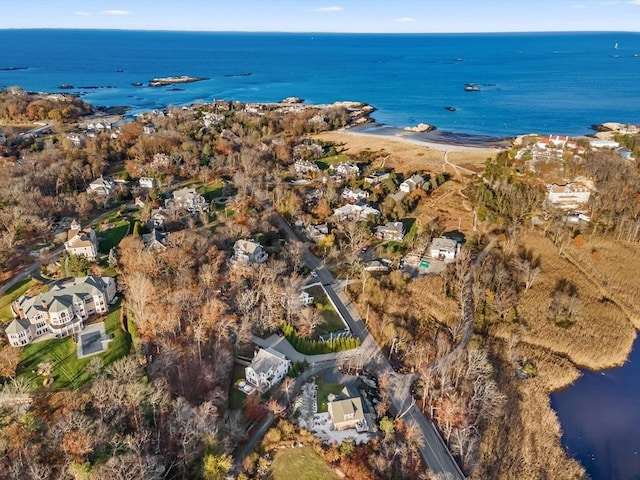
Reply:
x=164, y=81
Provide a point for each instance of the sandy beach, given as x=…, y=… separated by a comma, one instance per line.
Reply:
x=410, y=151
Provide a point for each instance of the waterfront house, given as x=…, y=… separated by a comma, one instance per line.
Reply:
x=376, y=177
x=82, y=242
x=568, y=196
x=149, y=129
x=410, y=184
x=266, y=369
x=62, y=310
x=305, y=166
x=345, y=169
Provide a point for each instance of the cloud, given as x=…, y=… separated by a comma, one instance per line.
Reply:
x=634, y=2
x=333, y=8
x=82, y=14
x=404, y=19
x=115, y=12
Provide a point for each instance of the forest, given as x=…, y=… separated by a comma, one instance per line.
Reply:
x=488, y=339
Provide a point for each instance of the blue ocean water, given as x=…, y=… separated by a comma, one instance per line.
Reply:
x=536, y=82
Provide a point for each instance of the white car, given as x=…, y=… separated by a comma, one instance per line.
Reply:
x=314, y=274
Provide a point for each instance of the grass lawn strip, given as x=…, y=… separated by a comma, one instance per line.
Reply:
x=68, y=370
x=298, y=463
x=332, y=321
x=13, y=293
x=112, y=237
x=236, y=397
x=324, y=389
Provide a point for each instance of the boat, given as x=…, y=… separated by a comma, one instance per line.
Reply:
x=65, y=86
x=615, y=47
x=451, y=109
x=471, y=87
x=137, y=84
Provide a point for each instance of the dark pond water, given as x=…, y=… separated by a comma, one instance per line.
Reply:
x=600, y=418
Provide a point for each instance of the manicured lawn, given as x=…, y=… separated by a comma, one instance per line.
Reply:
x=68, y=370
x=324, y=389
x=111, y=238
x=298, y=463
x=210, y=190
x=12, y=294
x=325, y=162
x=236, y=397
x=332, y=321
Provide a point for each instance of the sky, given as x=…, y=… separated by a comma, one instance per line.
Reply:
x=358, y=16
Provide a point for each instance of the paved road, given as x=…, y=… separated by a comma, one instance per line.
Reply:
x=433, y=448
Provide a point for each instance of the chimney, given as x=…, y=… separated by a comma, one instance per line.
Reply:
x=45, y=305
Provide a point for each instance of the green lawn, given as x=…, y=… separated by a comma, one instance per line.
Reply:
x=236, y=397
x=112, y=237
x=297, y=463
x=325, y=162
x=210, y=190
x=324, y=389
x=69, y=371
x=12, y=294
x=331, y=320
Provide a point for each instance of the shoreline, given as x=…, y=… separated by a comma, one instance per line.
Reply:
x=434, y=139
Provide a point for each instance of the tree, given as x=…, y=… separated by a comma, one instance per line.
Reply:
x=216, y=467
x=387, y=426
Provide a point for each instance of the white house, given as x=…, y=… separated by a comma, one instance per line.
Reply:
x=410, y=184
x=159, y=217
x=81, y=242
x=103, y=186
x=188, y=199
x=568, y=196
x=247, y=252
x=354, y=212
x=305, y=166
x=149, y=129
x=147, y=182
x=267, y=368
x=62, y=310
x=599, y=143
x=345, y=169
x=356, y=195
x=443, y=248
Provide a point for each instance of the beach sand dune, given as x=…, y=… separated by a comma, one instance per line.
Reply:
x=406, y=153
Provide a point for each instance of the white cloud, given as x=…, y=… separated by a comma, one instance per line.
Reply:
x=333, y=8
x=634, y=2
x=115, y=12
x=404, y=19
x=82, y=14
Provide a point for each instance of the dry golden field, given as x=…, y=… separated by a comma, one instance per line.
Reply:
x=406, y=157
x=613, y=265
x=601, y=335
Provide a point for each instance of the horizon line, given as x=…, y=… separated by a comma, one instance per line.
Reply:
x=318, y=32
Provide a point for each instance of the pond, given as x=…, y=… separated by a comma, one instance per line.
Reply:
x=600, y=419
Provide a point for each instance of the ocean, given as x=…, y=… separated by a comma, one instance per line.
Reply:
x=537, y=82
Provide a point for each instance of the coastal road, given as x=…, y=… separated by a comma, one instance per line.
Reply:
x=432, y=447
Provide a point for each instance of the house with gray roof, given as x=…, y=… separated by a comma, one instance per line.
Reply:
x=103, y=186
x=62, y=310
x=247, y=252
x=390, y=231
x=347, y=414
x=267, y=368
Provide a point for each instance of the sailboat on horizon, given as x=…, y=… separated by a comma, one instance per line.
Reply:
x=615, y=47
